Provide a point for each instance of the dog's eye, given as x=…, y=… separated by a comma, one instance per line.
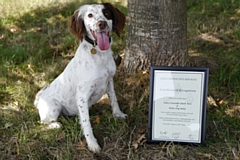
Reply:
x=90, y=15
x=107, y=14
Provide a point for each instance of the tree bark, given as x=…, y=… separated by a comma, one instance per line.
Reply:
x=156, y=34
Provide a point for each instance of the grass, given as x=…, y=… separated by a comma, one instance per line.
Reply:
x=35, y=46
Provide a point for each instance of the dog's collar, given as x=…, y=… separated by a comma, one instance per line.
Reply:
x=89, y=40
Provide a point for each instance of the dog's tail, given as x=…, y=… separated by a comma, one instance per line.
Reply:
x=38, y=96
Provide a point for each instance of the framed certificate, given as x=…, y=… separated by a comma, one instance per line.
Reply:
x=177, y=104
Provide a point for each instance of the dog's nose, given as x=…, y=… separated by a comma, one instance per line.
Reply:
x=102, y=24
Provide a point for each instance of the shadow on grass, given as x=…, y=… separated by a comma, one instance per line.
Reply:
x=32, y=51
x=217, y=47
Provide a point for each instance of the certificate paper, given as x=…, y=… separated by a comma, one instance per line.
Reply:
x=177, y=104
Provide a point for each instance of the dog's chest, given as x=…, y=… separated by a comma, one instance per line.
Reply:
x=99, y=83
x=103, y=71
x=101, y=63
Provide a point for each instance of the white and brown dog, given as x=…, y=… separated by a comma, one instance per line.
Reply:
x=89, y=74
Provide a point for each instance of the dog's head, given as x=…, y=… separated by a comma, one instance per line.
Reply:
x=97, y=21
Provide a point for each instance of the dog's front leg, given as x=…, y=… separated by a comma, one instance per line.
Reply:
x=113, y=100
x=84, y=119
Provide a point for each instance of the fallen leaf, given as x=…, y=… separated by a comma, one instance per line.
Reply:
x=221, y=102
x=211, y=101
x=203, y=156
x=139, y=141
x=15, y=103
x=81, y=144
x=141, y=138
x=96, y=121
x=141, y=131
x=135, y=145
x=18, y=152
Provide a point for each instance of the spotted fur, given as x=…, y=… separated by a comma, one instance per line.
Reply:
x=87, y=76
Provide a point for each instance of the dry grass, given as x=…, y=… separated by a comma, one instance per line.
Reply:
x=35, y=46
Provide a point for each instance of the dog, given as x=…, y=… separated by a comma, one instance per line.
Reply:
x=89, y=74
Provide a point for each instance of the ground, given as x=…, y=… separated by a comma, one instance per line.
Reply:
x=35, y=46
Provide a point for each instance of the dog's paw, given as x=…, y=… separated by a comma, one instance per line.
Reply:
x=55, y=125
x=94, y=147
x=120, y=114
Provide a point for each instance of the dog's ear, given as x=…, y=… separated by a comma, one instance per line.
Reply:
x=76, y=25
x=118, y=18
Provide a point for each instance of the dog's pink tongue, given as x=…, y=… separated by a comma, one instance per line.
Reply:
x=103, y=41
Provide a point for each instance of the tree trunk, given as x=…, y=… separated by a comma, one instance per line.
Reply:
x=156, y=34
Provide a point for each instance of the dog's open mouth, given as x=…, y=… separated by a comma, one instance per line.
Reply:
x=102, y=39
